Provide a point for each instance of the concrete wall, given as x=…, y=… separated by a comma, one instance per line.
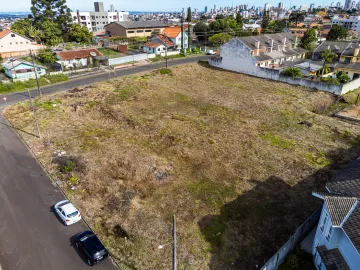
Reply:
x=235, y=56
x=12, y=43
x=131, y=58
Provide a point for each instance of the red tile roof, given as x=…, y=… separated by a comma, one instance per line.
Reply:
x=78, y=54
x=152, y=44
x=172, y=32
x=169, y=43
x=4, y=33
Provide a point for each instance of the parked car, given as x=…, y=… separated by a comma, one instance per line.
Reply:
x=210, y=52
x=67, y=212
x=91, y=246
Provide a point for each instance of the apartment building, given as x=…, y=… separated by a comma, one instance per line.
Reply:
x=96, y=20
x=352, y=23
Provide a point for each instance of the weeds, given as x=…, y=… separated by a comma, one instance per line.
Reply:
x=317, y=159
x=165, y=71
x=276, y=141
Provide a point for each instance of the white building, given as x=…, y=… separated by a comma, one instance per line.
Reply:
x=353, y=23
x=96, y=20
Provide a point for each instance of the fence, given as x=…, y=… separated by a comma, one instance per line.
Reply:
x=294, y=240
x=130, y=58
x=70, y=72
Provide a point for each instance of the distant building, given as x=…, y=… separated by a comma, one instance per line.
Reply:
x=19, y=69
x=174, y=34
x=281, y=5
x=158, y=44
x=347, y=4
x=266, y=7
x=134, y=28
x=96, y=21
x=112, y=8
x=352, y=23
x=206, y=9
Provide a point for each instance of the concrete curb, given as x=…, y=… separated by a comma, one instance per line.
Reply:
x=339, y=115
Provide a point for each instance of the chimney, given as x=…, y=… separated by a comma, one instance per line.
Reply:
x=284, y=41
x=257, y=44
x=271, y=45
x=356, y=52
x=296, y=41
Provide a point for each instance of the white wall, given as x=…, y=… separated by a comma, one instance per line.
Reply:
x=131, y=58
x=13, y=42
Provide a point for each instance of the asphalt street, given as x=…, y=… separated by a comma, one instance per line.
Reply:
x=31, y=236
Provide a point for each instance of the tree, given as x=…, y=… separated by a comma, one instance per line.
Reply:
x=189, y=19
x=342, y=77
x=51, y=33
x=200, y=30
x=328, y=56
x=292, y=72
x=239, y=21
x=55, y=11
x=309, y=39
x=220, y=16
x=296, y=17
x=214, y=26
x=337, y=32
x=21, y=27
x=265, y=22
x=47, y=56
x=219, y=39
x=34, y=33
x=79, y=34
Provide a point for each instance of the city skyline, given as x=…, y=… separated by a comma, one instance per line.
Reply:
x=161, y=5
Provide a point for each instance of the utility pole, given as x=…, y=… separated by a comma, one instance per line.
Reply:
x=166, y=48
x=32, y=107
x=174, y=264
x=36, y=77
x=205, y=38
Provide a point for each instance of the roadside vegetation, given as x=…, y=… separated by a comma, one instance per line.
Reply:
x=110, y=53
x=235, y=163
x=6, y=88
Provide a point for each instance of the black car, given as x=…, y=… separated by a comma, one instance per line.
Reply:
x=91, y=246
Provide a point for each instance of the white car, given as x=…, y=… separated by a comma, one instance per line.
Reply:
x=210, y=52
x=67, y=212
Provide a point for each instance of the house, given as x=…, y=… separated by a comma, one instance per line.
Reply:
x=19, y=69
x=174, y=33
x=245, y=54
x=79, y=58
x=252, y=27
x=134, y=28
x=158, y=44
x=13, y=44
x=348, y=56
x=337, y=239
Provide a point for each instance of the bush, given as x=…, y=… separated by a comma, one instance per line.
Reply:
x=292, y=261
x=292, y=72
x=164, y=71
x=330, y=80
x=182, y=52
x=342, y=77
x=196, y=50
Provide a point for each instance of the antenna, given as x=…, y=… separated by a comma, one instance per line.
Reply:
x=93, y=54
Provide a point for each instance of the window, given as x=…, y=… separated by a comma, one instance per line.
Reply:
x=130, y=32
x=110, y=17
x=329, y=233
x=159, y=50
x=10, y=43
x=12, y=35
x=16, y=42
x=97, y=17
x=148, y=31
x=103, y=22
x=38, y=69
x=103, y=17
x=97, y=23
x=20, y=42
x=324, y=222
x=140, y=31
x=27, y=42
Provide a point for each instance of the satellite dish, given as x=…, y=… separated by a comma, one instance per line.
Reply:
x=93, y=54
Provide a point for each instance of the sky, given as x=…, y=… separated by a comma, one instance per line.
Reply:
x=147, y=5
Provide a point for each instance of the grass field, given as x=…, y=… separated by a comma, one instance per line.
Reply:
x=111, y=53
x=226, y=153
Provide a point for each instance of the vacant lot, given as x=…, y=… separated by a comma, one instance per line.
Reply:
x=235, y=158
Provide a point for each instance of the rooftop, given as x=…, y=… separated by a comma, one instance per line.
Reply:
x=332, y=258
x=172, y=32
x=13, y=63
x=78, y=54
x=142, y=24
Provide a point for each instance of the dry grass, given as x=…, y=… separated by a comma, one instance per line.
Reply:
x=224, y=152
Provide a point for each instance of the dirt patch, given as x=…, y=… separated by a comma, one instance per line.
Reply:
x=234, y=157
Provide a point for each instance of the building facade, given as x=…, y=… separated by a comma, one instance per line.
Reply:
x=337, y=240
x=96, y=20
x=352, y=23
x=18, y=69
x=134, y=28
x=13, y=44
x=174, y=33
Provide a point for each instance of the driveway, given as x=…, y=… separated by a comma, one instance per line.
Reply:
x=31, y=236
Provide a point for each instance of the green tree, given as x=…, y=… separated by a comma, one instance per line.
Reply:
x=200, y=30
x=46, y=56
x=296, y=17
x=219, y=39
x=239, y=21
x=308, y=41
x=79, y=34
x=265, y=22
x=214, y=26
x=34, y=33
x=292, y=72
x=328, y=57
x=337, y=32
x=21, y=27
x=55, y=11
x=189, y=19
x=51, y=33
x=342, y=77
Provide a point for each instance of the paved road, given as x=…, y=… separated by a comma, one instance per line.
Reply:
x=17, y=97
x=31, y=236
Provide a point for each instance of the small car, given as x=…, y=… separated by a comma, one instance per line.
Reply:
x=210, y=52
x=67, y=212
x=91, y=246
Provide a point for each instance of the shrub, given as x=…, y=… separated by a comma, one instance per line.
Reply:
x=68, y=167
x=330, y=80
x=164, y=71
x=292, y=261
x=342, y=77
x=196, y=50
x=292, y=72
